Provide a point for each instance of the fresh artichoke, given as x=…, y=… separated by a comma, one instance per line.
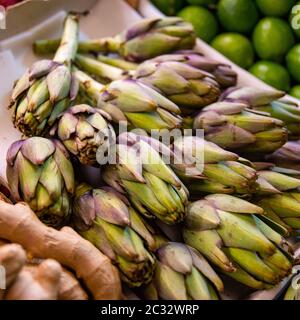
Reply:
x=152, y=186
x=190, y=88
x=146, y=39
x=105, y=218
x=288, y=156
x=40, y=173
x=132, y=102
x=85, y=132
x=182, y=273
x=223, y=73
x=207, y=168
x=45, y=90
x=267, y=101
x=279, y=196
x=231, y=125
x=233, y=234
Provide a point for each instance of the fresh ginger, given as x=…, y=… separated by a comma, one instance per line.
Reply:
x=12, y=259
x=39, y=282
x=19, y=224
x=70, y=288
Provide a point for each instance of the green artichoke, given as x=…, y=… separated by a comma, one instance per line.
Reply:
x=152, y=186
x=182, y=273
x=223, y=73
x=85, y=132
x=267, y=101
x=231, y=125
x=44, y=92
x=190, y=88
x=288, y=156
x=132, y=102
x=105, y=218
x=40, y=173
x=146, y=39
x=279, y=196
x=233, y=234
x=207, y=168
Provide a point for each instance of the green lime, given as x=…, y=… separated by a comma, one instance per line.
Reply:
x=295, y=91
x=238, y=15
x=293, y=62
x=275, y=8
x=295, y=19
x=236, y=47
x=272, y=39
x=273, y=74
x=202, y=2
x=204, y=22
x=169, y=7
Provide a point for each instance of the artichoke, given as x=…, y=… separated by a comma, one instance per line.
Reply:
x=146, y=39
x=267, y=101
x=40, y=173
x=223, y=73
x=207, y=168
x=288, y=156
x=85, y=132
x=190, y=88
x=279, y=196
x=231, y=125
x=233, y=234
x=288, y=112
x=152, y=186
x=45, y=90
x=182, y=273
x=105, y=218
x=132, y=102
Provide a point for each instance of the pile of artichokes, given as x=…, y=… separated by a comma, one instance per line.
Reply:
x=231, y=195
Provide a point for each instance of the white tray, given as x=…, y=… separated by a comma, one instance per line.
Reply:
x=106, y=18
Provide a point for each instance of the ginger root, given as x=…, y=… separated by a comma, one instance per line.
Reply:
x=12, y=259
x=36, y=282
x=19, y=224
x=70, y=288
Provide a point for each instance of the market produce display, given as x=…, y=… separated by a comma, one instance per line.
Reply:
x=259, y=35
x=176, y=215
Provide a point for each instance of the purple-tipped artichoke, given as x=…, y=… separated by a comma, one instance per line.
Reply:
x=235, y=236
x=44, y=92
x=132, y=102
x=182, y=273
x=85, y=132
x=279, y=196
x=105, y=218
x=207, y=168
x=267, y=101
x=40, y=173
x=223, y=73
x=144, y=40
x=233, y=126
x=152, y=186
x=190, y=88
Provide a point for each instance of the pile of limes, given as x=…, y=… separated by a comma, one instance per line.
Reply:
x=260, y=35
